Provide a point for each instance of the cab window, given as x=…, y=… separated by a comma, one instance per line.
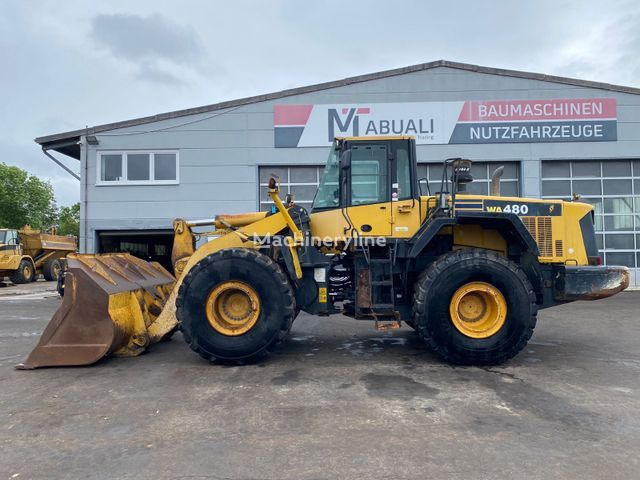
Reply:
x=369, y=177
x=403, y=174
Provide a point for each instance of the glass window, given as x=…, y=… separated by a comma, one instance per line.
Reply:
x=303, y=193
x=616, y=168
x=557, y=188
x=588, y=168
x=599, y=240
x=636, y=202
x=623, y=241
x=596, y=202
x=620, y=258
x=111, y=167
x=477, y=188
x=599, y=223
x=618, y=205
x=403, y=174
x=479, y=171
x=328, y=194
x=554, y=169
x=616, y=187
x=304, y=174
x=264, y=194
x=587, y=187
x=368, y=174
x=138, y=166
x=510, y=169
x=280, y=173
x=616, y=223
x=165, y=166
x=509, y=189
x=636, y=184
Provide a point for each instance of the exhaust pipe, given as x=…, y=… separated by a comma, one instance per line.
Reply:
x=495, y=181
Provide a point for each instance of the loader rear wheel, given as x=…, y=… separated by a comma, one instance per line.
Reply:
x=51, y=269
x=235, y=306
x=24, y=274
x=474, y=307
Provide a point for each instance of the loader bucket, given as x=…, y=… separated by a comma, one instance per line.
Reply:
x=110, y=306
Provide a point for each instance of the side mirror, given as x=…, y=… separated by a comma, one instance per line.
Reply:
x=423, y=181
x=345, y=160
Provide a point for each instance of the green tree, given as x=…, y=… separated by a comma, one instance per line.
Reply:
x=69, y=220
x=25, y=199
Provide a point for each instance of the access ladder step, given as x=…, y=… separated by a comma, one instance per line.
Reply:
x=382, y=282
x=375, y=306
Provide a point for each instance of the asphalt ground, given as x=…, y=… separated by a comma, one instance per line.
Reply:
x=337, y=400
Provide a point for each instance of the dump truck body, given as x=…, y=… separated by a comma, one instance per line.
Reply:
x=467, y=272
x=26, y=253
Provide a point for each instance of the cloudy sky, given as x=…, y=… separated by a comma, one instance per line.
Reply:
x=69, y=64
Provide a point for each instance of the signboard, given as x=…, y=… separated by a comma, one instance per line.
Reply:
x=437, y=123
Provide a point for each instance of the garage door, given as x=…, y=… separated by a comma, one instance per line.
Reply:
x=302, y=182
x=150, y=245
x=613, y=188
x=481, y=171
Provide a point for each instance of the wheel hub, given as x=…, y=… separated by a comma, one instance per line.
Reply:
x=478, y=310
x=232, y=308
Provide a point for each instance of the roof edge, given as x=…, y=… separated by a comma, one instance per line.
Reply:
x=334, y=84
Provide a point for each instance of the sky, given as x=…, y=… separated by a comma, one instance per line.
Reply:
x=69, y=64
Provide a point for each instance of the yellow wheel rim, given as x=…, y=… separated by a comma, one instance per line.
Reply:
x=233, y=308
x=26, y=271
x=478, y=310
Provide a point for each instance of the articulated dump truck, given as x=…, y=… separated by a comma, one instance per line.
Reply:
x=26, y=253
x=467, y=272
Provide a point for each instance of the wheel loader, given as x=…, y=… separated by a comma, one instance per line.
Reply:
x=468, y=272
x=26, y=253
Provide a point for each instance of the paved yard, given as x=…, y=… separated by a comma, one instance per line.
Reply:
x=338, y=400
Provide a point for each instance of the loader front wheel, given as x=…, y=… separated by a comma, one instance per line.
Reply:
x=24, y=274
x=235, y=306
x=474, y=307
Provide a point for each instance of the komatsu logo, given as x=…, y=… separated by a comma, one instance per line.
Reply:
x=348, y=122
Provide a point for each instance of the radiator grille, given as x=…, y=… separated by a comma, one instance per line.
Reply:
x=540, y=229
x=559, y=248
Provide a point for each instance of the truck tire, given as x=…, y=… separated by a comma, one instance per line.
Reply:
x=474, y=307
x=235, y=306
x=50, y=270
x=25, y=273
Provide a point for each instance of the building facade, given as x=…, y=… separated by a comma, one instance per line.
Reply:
x=555, y=136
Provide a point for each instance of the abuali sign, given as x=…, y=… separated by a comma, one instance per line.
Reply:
x=492, y=121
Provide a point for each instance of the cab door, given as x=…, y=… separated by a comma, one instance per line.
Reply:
x=368, y=202
x=405, y=209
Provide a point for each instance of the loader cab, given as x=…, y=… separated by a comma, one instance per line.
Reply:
x=374, y=181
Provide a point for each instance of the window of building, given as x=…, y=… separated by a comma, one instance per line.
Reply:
x=301, y=181
x=138, y=168
x=613, y=188
x=481, y=171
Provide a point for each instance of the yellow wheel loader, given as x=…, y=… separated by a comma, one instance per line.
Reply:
x=467, y=272
x=26, y=253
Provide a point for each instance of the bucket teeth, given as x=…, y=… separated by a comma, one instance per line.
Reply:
x=112, y=305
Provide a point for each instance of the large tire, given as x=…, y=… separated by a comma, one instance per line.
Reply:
x=438, y=285
x=25, y=273
x=51, y=269
x=253, y=269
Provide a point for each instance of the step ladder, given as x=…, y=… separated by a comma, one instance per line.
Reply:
x=382, y=292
